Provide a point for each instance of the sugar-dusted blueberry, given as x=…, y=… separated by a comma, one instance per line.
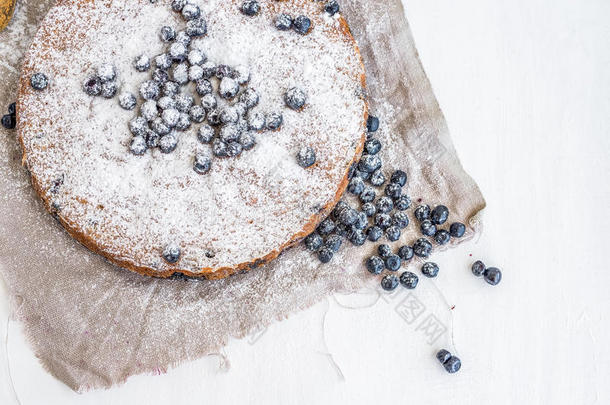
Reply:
x=256, y=121
x=369, y=209
x=167, y=33
x=326, y=227
x=402, y=203
x=377, y=178
x=171, y=253
x=325, y=255
x=457, y=229
x=332, y=7
x=241, y=109
x=372, y=146
x=195, y=57
x=422, y=212
x=392, y=262
x=384, y=205
x=138, y=126
x=429, y=269
x=202, y=163
x=348, y=216
x=422, y=248
x=400, y=219
x=369, y=163
x=427, y=228
x=197, y=113
x=359, y=173
x=127, y=100
x=355, y=186
x=368, y=194
x=295, y=98
x=362, y=221
x=375, y=264
x=443, y=356
x=374, y=233
x=392, y=233
x=149, y=90
x=138, y=145
x=442, y=237
x=39, y=81
x=492, y=275
x=106, y=72
x=250, y=7
x=409, y=280
x=393, y=190
x=141, y=63
x=229, y=115
x=301, y=24
x=249, y=97
x=92, y=86
x=195, y=73
x=439, y=214
x=9, y=121
x=204, y=87
x=313, y=242
x=159, y=126
x=196, y=27
x=149, y=110
x=184, y=102
x=183, y=38
x=283, y=22
x=228, y=88
x=152, y=139
x=384, y=250
x=205, y=134
x=163, y=61
x=384, y=221
x=399, y=177
x=357, y=237
x=220, y=148
x=170, y=88
x=333, y=242
x=389, y=282
x=341, y=205
x=190, y=11
x=177, y=51
x=405, y=252
x=109, y=89
x=241, y=73
x=478, y=268
x=184, y=122
x=229, y=133
x=168, y=143
x=177, y=5
x=343, y=230
x=452, y=365
x=223, y=71
x=372, y=123
x=274, y=120
x=180, y=73
x=214, y=117
x=247, y=140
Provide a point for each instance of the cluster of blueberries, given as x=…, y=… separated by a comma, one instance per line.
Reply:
x=492, y=275
x=10, y=120
x=285, y=22
x=103, y=82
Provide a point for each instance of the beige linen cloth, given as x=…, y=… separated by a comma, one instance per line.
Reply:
x=93, y=325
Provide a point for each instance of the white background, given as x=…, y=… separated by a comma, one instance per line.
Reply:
x=525, y=87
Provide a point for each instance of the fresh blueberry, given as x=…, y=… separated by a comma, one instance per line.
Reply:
x=427, y=228
x=306, y=156
x=357, y=237
x=325, y=255
x=92, y=86
x=374, y=233
x=332, y=7
x=190, y=11
x=443, y=356
x=234, y=149
x=197, y=113
x=402, y=203
x=195, y=57
x=202, y=163
x=384, y=205
x=168, y=34
x=180, y=73
x=384, y=221
x=442, y=237
x=159, y=127
x=375, y=264
x=160, y=75
x=367, y=194
x=369, y=163
x=9, y=121
x=341, y=205
x=197, y=27
x=393, y=190
x=377, y=178
x=229, y=115
x=109, y=89
x=478, y=268
x=399, y=177
x=355, y=186
x=39, y=81
x=439, y=214
x=453, y=365
x=372, y=124
x=326, y=226
x=142, y=63
x=250, y=7
x=214, y=117
x=392, y=262
x=313, y=242
x=204, y=87
x=348, y=216
x=492, y=275
x=457, y=229
x=369, y=209
x=362, y=221
x=184, y=122
x=170, y=89
x=209, y=70
x=422, y=212
x=400, y=219
x=241, y=73
x=389, y=282
x=247, y=140
x=333, y=242
x=149, y=110
x=249, y=97
x=195, y=73
x=168, y=143
x=162, y=61
x=177, y=51
x=170, y=117
x=229, y=133
x=372, y=146
x=392, y=233
x=12, y=108
x=283, y=22
x=106, y=72
x=301, y=24
x=127, y=101
x=409, y=280
x=171, y=253
x=429, y=269
x=152, y=139
x=138, y=126
x=405, y=252
x=184, y=102
x=384, y=250
x=360, y=173
x=256, y=121
x=149, y=90
x=274, y=120
x=177, y=5
x=343, y=230
x=422, y=248
x=295, y=98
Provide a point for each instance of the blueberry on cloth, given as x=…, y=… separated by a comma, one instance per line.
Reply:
x=372, y=124
x=167, y=34
x=393, y=190
x=141, y=63
x=400, y=219
x=374, y=233
x=301, y=24
x=313, y=242
x=427, y=228
x=453, y=365
x=393, y=233
x=196, y=27
x=256, y=121
x=439, y=214
x=367, y=194
x=250, y=7
x=402, y=203
x=171, y=253
x=355, y=186
x=429, y=269
x=228, y=88
x=149, y=90
x=326, y=226
x=377, y=178
x=106, y=72
x=332, y=7
x=492, y=275
x=127, y=101
x=325, y=255
x=422, y=212
x=202, y=163
x=138, y=145
x=283, y=22
x=422, y=248
x=392, y=262
x=457, y=229
x=384, y=205
x=399, y=177
x=295, y=98
x=478, y=268
x=190, y=11
x=369, y=209
x=372, y=146
x=375, y=264
x=333, y=242
x=409, y=280
x=369, y=163
x=168, y=143
x=274, y=120
x=443, y=356
x=442, y=237
x=9, y=121
x=389, y=282
x=384, y=250
x=138, y=126
x=92, y=86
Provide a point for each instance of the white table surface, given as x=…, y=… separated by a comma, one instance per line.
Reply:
x=525, y=87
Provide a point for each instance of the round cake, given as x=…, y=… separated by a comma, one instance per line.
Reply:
x=248, y=166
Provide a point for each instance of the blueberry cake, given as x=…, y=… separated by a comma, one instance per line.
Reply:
x=191, y=136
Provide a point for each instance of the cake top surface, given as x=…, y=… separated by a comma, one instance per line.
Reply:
x=246, y=209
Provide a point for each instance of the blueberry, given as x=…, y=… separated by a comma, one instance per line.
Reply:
x=343, y=230
x=177, y=51
x=138, y=126
x=229, y=133
x=234, y=149
x=306, y=156
x=184, y=122
x=478, y=268
x=249, y=97
x=152, y=139
x=283, y=22
x=369, y=209
x=442, y=237
x=202, y=163
x=180, y=73
x=389, y=282
x=9, y=121
x=106, y=72
x=256, y=121
x=39, y=81
x=367, y=194
x=372, y=124
x=149, y=110
x=326, y=227
x=295, y=98
x=333, y=242
x=405, y=252
x=171, y=253
x=274, y=120
x=247, y=140
x=195, y=57
x=162, y=61
x=453, y=365
x=443, y=356
x=492, y=275
x=357, y=237
x=348, y=216
x=377, y=178
x=204, y=87
x=170, y=117
x=214, y=117
x=183, y=38
x=427, y=228
x=341, y=205
x=241, y=73
x=457, y=229
x=362, y=221
x=109, y=89
x=384, y=221
x=197, y=27
x=429, y=269
x=422, y=212
x=168, y=34
x=393, y=190
x=360, y=173
x=228, y=88
x=159, y=127
x=400, y=219
x=301, y=24
x=195, y=73
x=384, y=205
x=384, y=250
x=399, y=177
x=127, y=101
x=190, y=11
x=374, y=233
x=422, y=248
x=184, y=102
x=369, y=163
x=197, y=113
x=409, y=280
x=355, y=186
x=250, y=7
x=372, y=146
x=149, y=90
x=229, y=115
x=375, y=264
x=392, y=262
x=313, y=242
x=12, y=108
x=332, y=7
x=92, y=86
x=138, y=145
x=170, y=89
x=393, y=233
x=209, y=70
x=402, y=203
x=168, y=143
x=177, y=5
x=141, y=63
x=439, y=214
x=325, y=255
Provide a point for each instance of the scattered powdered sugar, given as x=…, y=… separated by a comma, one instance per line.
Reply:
x=134, y=206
